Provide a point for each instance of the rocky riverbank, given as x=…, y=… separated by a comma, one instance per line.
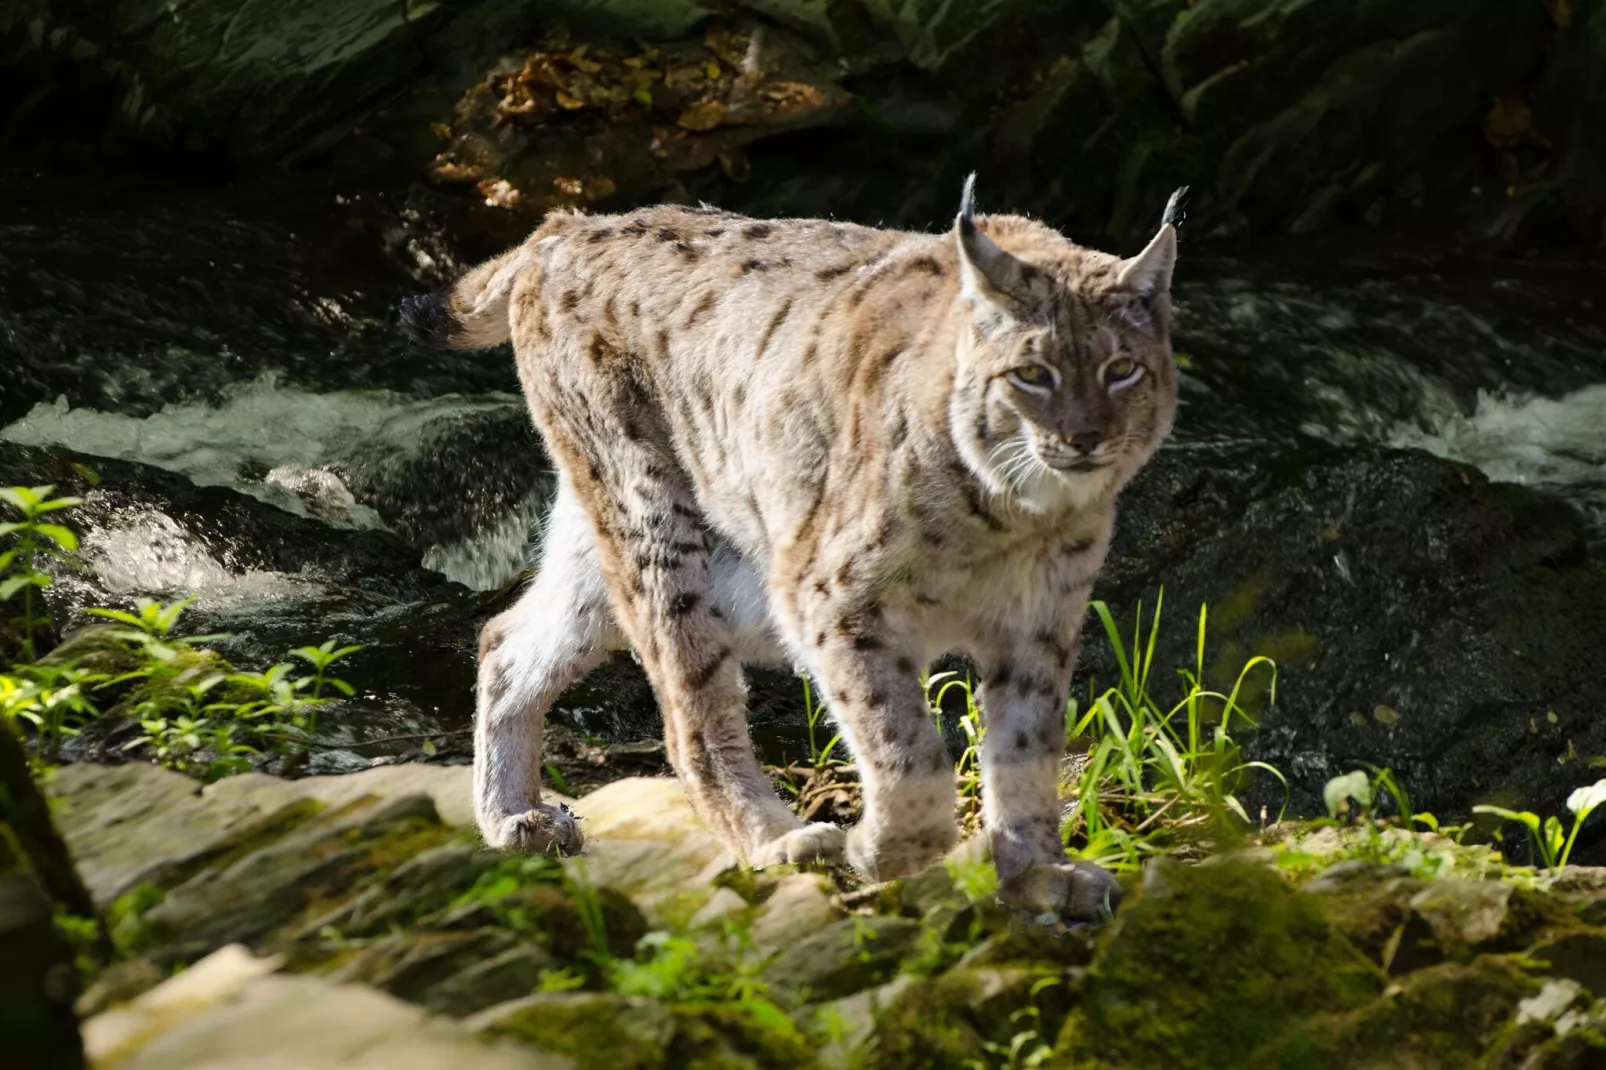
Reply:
x=325, y=917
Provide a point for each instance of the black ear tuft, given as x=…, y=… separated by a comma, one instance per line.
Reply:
x=1176, y=209
x=427, y=320
x=967, y=204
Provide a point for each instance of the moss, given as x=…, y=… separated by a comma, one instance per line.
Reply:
x=1205, y=964
x=953, y=1020
x=599, y=1031
x=1371, y=913
x=1442, y=1016
x=750, y=1036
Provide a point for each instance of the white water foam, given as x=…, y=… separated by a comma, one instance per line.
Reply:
x=1557, y=445
x=281, y=446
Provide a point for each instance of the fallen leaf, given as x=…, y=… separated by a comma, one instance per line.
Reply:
x=703, y=115
x=568, y=184
x=569, y=101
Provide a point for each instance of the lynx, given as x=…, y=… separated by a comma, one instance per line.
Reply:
x=845, y=449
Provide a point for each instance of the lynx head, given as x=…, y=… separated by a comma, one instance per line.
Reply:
x=1066, y=383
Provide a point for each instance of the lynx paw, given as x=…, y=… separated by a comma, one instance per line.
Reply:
x=883, y=854
x=542, y=829
x=819, y=842
x=1074, y=891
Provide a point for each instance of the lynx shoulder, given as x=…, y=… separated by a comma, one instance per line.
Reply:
x=846, y=449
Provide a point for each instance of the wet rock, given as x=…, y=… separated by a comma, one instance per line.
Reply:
x=1374, y=579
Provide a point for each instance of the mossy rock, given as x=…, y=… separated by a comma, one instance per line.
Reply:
x=844, y=957
x=1205, y=965
x=952, y=1020
x=552, y=916
x=597, y=1029
x=1442, y=1016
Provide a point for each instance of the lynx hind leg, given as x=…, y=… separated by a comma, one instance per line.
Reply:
x=560, y=629
x=657, y=554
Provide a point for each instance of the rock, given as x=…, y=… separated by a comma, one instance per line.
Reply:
x=643, y=839
x=38, y=984
x=960, y=1016
x=1191, y=936
x=132, y=824
x=603, y=1031
x=233, y=1008
x=510, y=975
x=249, y=899
x=1579, y=957
x=850, y=1022
x=596, y=1029
x=1372, y=577
x=1463, y=913
x=799, y=906
x=1445, y=1015
x=844, y=957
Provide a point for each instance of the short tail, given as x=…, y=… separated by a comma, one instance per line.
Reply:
x=473, y=312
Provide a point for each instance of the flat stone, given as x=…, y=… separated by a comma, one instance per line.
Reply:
x=643, y=838
x=1463, y=912
x=231, y=1010
x=125, y=823
x=799, y=906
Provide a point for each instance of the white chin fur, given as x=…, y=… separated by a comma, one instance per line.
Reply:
x=1047, y=491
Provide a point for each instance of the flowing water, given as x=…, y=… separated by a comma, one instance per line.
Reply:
x=250, y=346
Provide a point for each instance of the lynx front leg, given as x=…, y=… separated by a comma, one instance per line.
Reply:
x=1023, y=695
x=905, y=773
x=560, y=629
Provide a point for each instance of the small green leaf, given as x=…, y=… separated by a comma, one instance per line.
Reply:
x=62, y=537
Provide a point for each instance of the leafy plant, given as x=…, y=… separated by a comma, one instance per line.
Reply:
x=32, y=537
x=195, y=713
x=1552, y=842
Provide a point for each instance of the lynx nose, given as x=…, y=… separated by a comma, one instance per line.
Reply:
x=1086, y=441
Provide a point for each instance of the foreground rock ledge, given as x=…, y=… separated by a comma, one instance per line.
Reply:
x=363, y=910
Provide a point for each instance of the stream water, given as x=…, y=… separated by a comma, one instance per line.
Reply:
x=246, y=344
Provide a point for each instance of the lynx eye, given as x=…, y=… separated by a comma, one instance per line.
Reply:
x=1033, y=377
x=1122, y=371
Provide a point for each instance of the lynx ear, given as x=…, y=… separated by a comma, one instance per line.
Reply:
x=1149, y=272
x=988, y=271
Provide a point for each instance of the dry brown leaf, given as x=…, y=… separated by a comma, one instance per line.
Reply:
x=703, y=115
x=449, y=170
x=569, y=184
x=569, y=101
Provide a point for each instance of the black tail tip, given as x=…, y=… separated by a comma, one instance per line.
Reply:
x=427, y=320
